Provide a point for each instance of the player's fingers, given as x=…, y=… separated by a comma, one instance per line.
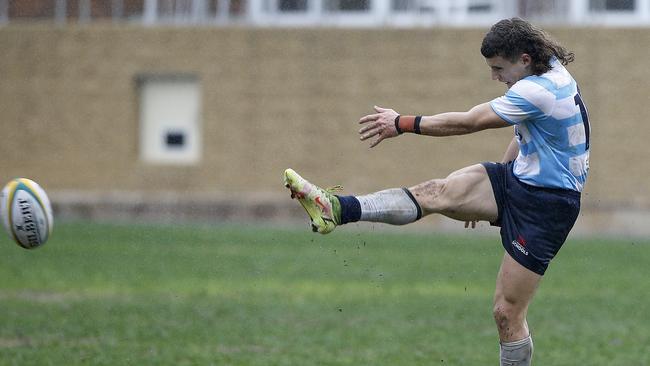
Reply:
x=369, y=118
x=367, y=128
x=377, y=141
x=370, y=133
x=380, y=109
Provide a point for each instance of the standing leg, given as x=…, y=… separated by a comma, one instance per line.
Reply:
x=515, y=288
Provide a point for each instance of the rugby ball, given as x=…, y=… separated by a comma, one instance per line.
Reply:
x=26, y=213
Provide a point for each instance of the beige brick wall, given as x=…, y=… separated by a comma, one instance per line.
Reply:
x=291, y=98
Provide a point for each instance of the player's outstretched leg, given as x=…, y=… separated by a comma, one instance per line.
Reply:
x=321, y=205
x=395, y=206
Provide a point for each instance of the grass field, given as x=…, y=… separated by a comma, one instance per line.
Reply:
x=235, y=295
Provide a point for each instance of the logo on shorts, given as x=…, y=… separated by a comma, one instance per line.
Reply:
x=520, y=244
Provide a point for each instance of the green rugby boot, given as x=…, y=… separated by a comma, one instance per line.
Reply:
x=321, y=205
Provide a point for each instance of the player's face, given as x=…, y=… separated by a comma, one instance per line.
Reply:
x=509, y=72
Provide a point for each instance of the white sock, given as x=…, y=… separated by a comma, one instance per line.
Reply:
x=517, y=353
x=395, y=206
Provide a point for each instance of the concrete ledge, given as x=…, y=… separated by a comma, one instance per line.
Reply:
x=595, y=219
x=172, y=207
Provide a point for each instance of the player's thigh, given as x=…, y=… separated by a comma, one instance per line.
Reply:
x=516, y=285
x=465, y=194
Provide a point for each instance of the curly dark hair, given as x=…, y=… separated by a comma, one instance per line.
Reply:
x=509, y=38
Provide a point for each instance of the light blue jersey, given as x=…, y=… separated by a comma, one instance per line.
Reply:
x=552, y=128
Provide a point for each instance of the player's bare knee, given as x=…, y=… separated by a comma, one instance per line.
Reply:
x=505, y=321
x=507, y=315
x=501, y=315
x=432, y=195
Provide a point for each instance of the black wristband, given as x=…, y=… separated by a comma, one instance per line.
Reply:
x=416, y=125
x=399, y=130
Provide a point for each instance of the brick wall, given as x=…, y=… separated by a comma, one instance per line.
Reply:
x=291, y=98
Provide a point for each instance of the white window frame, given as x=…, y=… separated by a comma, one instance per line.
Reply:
x=380, y=12
x=267, y=13
x=580, y=14
x=450, y=13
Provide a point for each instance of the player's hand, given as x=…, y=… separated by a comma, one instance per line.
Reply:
x=471, y=224
x=380, y=124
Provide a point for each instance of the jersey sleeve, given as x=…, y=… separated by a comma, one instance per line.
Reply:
x=525, y=100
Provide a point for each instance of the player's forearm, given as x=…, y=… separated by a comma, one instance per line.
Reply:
x=447, y=124
x=479, y=118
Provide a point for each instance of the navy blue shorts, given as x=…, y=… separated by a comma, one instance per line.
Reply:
x=534, y=221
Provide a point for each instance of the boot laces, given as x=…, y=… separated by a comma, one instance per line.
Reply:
x=336, y=188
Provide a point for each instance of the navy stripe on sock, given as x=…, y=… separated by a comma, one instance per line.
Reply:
x=408, y=193
x=416, y=125
x=350, y=209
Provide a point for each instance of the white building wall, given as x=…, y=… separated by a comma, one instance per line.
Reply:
x=368, y=13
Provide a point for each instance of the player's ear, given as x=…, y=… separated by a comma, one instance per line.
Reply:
x=525, y=59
